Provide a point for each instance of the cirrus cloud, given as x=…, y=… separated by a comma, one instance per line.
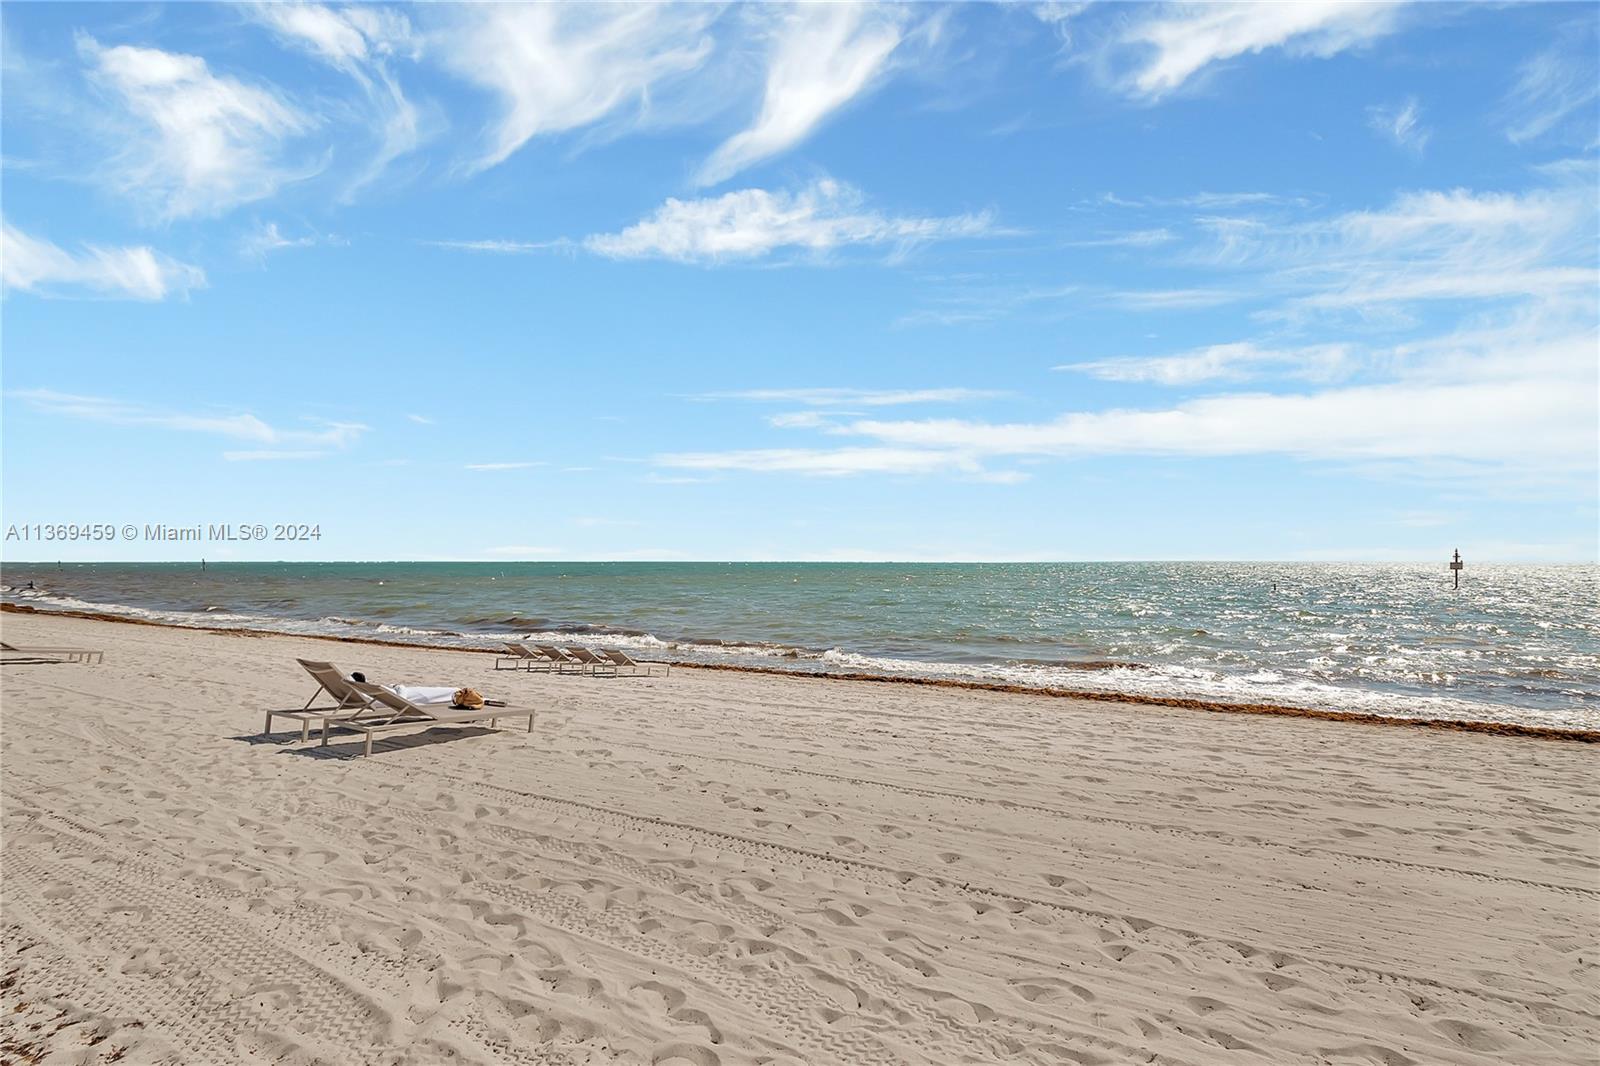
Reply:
x=821, y=57
x=750, y=223
x=32, y=264
x=1179, y=41
x=191, y=142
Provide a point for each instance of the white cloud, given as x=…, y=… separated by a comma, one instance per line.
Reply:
x=1401, y=123
x=240, y=426
x=1174, y=299
x=1424, y=246
x=138, y=272
x=499, y=247
x=504, y=465
x=750, y=223
x=1553, y=85
x=1506, y=400
x=267, y=238
x=558, y=67
x=1142, y=238
x=1520, y=422
x=421, y=420
x=1215, y=201
x=1518, y=394
x=349, y=38
x=821, y=57
x=1223, y=362
x=1179, y=41
x=358, y=41
x=192, y=142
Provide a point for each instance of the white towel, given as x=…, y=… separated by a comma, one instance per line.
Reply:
x=424, y=694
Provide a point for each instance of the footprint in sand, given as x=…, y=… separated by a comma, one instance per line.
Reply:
x=1069, y=884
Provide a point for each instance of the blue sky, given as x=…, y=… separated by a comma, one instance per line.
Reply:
x=1064, y=281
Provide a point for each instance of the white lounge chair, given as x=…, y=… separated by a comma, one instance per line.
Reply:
x=624, y=661
x=565, y=663
x=69, y=655
x=390, y=711
x=521, y=657
x=592, y=663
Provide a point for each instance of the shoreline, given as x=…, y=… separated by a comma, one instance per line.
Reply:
x=1505, y=729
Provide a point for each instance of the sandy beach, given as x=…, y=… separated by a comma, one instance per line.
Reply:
x=726, y=868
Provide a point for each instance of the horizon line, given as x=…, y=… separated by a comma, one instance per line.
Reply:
x=809, y=561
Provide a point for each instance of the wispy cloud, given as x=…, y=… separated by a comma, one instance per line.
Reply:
x=1175, y=42
x=821, y=57
x=1489, y=422
x=321, y=434
x=1400, y=123
x=1210, y=201
x=820, y=218
x=1174, y=299
x=1506, y=397
x=1557, y=83
x=1223, y=362
x=31, y=264
x=421, y=420
x=192, y=142
x=559, y=67
x=1423, y=246
x=1139, y=238
x=359, y=41
x=1517, y=394
x=267, y=238
x=500, y=247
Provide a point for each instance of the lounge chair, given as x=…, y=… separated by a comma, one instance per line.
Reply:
x=385, y=711
x=564, y=662
x=346, y=701
x=521, y=657
x=624, y=661
x=70, y=655
x=592, y=663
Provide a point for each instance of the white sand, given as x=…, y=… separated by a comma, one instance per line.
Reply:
x=724, y=868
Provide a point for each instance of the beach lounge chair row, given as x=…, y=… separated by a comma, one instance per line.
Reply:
x=69, y=655
x=597, y=662
x=372, y=709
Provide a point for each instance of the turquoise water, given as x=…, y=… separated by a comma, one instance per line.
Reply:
x=1515, y=643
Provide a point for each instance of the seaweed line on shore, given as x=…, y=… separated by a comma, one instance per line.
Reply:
x=1504, y=729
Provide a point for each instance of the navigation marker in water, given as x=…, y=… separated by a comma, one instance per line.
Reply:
x=1456, y=564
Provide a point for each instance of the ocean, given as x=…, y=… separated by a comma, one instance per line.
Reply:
x=1514, y=644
